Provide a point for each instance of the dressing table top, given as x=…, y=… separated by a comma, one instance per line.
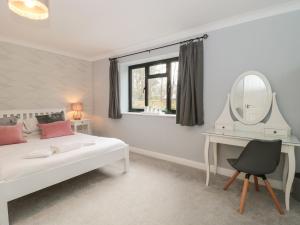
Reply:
x=248, y=135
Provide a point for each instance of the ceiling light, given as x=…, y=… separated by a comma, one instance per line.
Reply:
x=29, y=3
x=31, y=9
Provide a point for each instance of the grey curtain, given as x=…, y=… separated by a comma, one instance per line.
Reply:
x=114, y=111
x=189, y=110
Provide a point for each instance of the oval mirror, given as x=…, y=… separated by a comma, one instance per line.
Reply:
x=251, y=97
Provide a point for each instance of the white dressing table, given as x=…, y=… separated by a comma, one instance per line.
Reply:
x=238, y=127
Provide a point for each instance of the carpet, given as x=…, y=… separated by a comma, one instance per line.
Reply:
x=154, y=192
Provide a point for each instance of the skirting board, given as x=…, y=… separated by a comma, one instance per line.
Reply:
x=277, y=184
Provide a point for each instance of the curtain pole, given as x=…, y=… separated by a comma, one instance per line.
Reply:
x=205, y=36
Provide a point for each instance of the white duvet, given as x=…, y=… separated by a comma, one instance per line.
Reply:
x=14, y=165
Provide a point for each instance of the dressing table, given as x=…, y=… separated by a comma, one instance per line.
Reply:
x=251, y=112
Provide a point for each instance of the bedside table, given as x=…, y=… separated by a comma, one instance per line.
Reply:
x=81, y=126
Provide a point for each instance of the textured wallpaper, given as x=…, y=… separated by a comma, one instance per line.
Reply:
x=34, y=79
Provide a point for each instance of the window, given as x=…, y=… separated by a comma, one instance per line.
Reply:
x=153, y=84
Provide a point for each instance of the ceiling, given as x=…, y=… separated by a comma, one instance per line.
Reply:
x=93, y=28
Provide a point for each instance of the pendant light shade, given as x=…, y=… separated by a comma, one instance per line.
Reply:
x=31, y=9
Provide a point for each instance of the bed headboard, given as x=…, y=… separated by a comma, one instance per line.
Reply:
x=29, y=113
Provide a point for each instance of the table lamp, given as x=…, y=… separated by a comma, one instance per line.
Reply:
x=77, y=109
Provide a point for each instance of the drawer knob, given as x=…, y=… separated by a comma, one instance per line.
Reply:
x=275, y=132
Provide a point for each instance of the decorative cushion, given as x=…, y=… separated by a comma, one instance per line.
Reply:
x=8, y=121
x=60, y=116
x=56, y=129
x=42, y=119
x=11, y=134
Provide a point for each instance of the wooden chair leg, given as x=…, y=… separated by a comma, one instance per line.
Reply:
x=242, y=188
x=256, y=183
x=231, y=180
x=273, y=196
x=244, y=195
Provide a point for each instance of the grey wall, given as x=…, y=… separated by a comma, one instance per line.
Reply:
x=33, y=79
x=270, y=45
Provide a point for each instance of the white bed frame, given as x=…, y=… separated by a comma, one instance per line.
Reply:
x=10, y=190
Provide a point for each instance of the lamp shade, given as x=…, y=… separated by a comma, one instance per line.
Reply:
x=31, y=9
x=78, y=106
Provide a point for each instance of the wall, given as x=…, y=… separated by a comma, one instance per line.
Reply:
x=270, y=45
x=34, y=79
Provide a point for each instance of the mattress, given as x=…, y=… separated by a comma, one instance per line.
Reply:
x=13, y=165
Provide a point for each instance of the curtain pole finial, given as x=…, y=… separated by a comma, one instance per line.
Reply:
x=205, y=36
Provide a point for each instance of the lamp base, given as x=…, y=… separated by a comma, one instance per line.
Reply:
x=77, y=115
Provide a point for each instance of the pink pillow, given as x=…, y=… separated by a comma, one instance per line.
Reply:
x=55, y=129
x=11, y=134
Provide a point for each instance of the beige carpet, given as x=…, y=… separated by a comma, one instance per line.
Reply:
x=153, y=192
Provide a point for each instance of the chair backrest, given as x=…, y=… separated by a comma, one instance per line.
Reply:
x=260, y=156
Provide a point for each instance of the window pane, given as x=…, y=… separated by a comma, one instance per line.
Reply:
x=138, y=85
x=157, y=93
x=157, y=69
x=174, y=77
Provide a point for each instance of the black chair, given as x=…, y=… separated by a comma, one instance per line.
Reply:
x=258, y=159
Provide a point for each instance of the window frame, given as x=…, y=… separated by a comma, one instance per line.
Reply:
x=147, y=66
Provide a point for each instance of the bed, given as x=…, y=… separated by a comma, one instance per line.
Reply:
x=20, y=176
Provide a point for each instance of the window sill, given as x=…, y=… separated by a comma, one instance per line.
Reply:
x=149, y=114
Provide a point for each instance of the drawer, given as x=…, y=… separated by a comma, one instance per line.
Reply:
x=80, y=123
x=276, y=132
x=83, y=122
x=224, y=126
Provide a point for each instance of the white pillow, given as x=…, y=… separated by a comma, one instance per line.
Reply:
x=30, y=125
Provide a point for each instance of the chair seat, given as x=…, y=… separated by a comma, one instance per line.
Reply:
x=247, y=167
x=232, y=162
x=241, y=168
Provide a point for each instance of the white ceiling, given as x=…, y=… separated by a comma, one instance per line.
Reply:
x=93, y=28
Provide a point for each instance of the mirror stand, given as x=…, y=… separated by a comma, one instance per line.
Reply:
x=274, y=126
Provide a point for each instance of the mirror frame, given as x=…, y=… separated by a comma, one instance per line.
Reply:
x=269, y=96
